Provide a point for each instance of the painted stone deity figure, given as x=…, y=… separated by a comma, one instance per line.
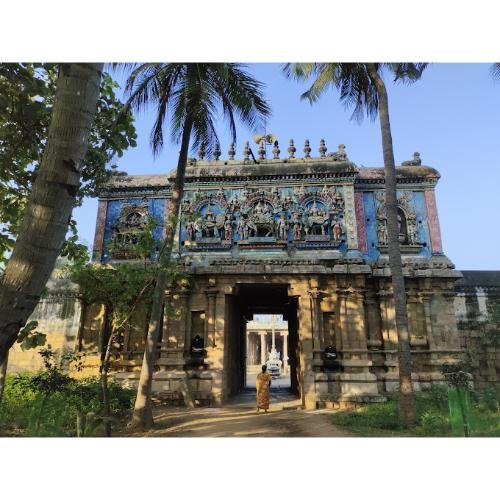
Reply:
x=382, y=232
x=261, y=220
x=317, y=220
x=209, y=225
x=228, y=228
x=282, y=228
x=336, y=230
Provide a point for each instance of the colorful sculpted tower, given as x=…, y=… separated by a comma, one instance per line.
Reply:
x=302, y=237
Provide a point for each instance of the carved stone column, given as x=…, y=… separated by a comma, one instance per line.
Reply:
x=373, y=321
x=416, y=319
x=317, y=323
x=285, y=352
x=388, y=316
x=211, y=298
x=352, y=319
x=263, y=348
x=183, y=335
x=165, y=329
x=305, y=328
x=356, y=379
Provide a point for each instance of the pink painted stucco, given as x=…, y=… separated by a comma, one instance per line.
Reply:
x=433, y=221
x=360, y=221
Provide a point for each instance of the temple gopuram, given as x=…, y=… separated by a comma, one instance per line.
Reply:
x=300, y=237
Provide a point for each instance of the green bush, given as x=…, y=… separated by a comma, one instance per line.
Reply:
x=486, y=399
x=433, y=417
x=379, y=416
x=433, y=423
x=28, y=410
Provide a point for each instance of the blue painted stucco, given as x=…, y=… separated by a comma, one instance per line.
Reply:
x=417, y=203
x=156, y=210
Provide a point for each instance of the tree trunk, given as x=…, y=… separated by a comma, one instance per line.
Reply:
x=406, y=398
x=143, y=409
x=52, y=199
x=3, y=375
x=104, y=369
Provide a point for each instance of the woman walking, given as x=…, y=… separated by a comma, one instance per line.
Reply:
x=263, y=384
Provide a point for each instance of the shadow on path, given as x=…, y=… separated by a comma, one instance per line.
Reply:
x=238, y=418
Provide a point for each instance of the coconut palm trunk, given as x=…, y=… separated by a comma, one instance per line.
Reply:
x=52, y=199
x=407, y=399
x=143, y=409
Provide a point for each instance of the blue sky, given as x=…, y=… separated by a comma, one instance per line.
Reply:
x=451, y=116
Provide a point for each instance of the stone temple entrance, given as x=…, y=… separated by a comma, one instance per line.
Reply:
x=249, y=344
x=305, y=238
x=267, y=343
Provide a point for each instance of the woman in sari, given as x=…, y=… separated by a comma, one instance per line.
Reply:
x=262, y=384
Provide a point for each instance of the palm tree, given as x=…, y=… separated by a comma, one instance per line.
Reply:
x=191, y=94
x=495, y=72
x=53, y=195
x=362, y=87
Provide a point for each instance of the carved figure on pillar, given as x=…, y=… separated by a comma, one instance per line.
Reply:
x=297, y=225
x=191, y=230
x=382, y=232
x=336, y=230
x=228, y=228
x=282, y=228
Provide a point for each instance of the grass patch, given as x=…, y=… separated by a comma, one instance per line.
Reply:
x=25, y=411
x=433, y=420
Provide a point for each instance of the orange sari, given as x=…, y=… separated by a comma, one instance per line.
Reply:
x=262, y=385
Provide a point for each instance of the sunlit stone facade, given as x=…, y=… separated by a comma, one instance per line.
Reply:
x=304, y=238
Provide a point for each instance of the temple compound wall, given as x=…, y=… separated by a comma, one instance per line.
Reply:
x=302, y=237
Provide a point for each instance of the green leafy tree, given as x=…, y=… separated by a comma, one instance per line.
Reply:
x=27, y=93
x=47, y=120
x=190, y=95
x=122, y=289
x=362, y=87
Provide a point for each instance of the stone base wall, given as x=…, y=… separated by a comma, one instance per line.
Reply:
x=352, y=312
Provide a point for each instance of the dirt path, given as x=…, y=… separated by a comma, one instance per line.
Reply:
x=239, y=419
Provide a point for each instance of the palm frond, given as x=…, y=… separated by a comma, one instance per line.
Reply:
x=495, y=72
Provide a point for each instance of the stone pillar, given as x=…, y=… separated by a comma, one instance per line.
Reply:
x=173, y=344
x=317, y=323
x=211, y=318
x=352, y=319
x=167, y=297
x=273, y=333
x=356, y=379
x=416, y=318
x=373, y=321
x=263, y=348
x=305, y=328
x=285, y=352
x=184, y=335
x=247, y=348
x=388, y=317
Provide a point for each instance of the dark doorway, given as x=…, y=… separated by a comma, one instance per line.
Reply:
x=249, y=301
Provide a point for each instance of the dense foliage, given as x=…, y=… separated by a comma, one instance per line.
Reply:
x=27, y=411
x=27, y=94
x=433, y=419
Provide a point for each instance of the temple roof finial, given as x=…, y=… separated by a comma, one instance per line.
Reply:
x=322, y=148
x=307, y=149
